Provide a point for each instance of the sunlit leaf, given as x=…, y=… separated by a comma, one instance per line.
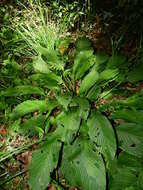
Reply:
x=51, y=57
x=40, y=65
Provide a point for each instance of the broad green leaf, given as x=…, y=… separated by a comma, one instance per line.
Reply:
x=28, y=127
x=128, y=175
x=83, y=167
x=101, y=58
x=29, y=106
x=65, y=100
x=130, y=161
x=135, y=100
x=84, y=66
x=82, y=106
x=44, y=161
x=135, y=116
x=108, y=74
x=83, y=132
x=22, y=90
x=50, y=76
x=135, y=75
x=94, y=93
x=82, y=63
x=70, y=122
x=50, y=80
x=40, y=65
x=116, y=61
x=101, y=133
x=83, y=43
x=124, y=178
x=130, y=138
x=89, y=80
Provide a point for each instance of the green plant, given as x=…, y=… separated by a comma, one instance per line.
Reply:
x=89, y=124
x=79, y=140
x=37, y=29
x=72, y=13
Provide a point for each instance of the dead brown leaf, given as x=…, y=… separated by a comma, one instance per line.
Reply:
x=25, y=158
x=51, y=187
x=16, y=181
x=3, y=131
x=77, y=86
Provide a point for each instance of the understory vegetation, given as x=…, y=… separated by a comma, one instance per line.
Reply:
x=71, y=95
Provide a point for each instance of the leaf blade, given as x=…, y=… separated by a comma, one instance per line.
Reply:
x=43, y=163
x=101, y=131
x=83, y=167
x=29, y=106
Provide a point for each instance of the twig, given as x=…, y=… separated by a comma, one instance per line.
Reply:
x=18, y=150
x=12, y=177
x=2, y=175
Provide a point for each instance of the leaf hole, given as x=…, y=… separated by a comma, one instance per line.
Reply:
x=78, y=162
x=42, y=151
x=133, y=145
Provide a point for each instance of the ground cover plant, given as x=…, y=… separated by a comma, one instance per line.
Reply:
x=77, y=111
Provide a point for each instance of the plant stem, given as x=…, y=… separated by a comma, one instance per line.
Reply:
x=12, y=177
